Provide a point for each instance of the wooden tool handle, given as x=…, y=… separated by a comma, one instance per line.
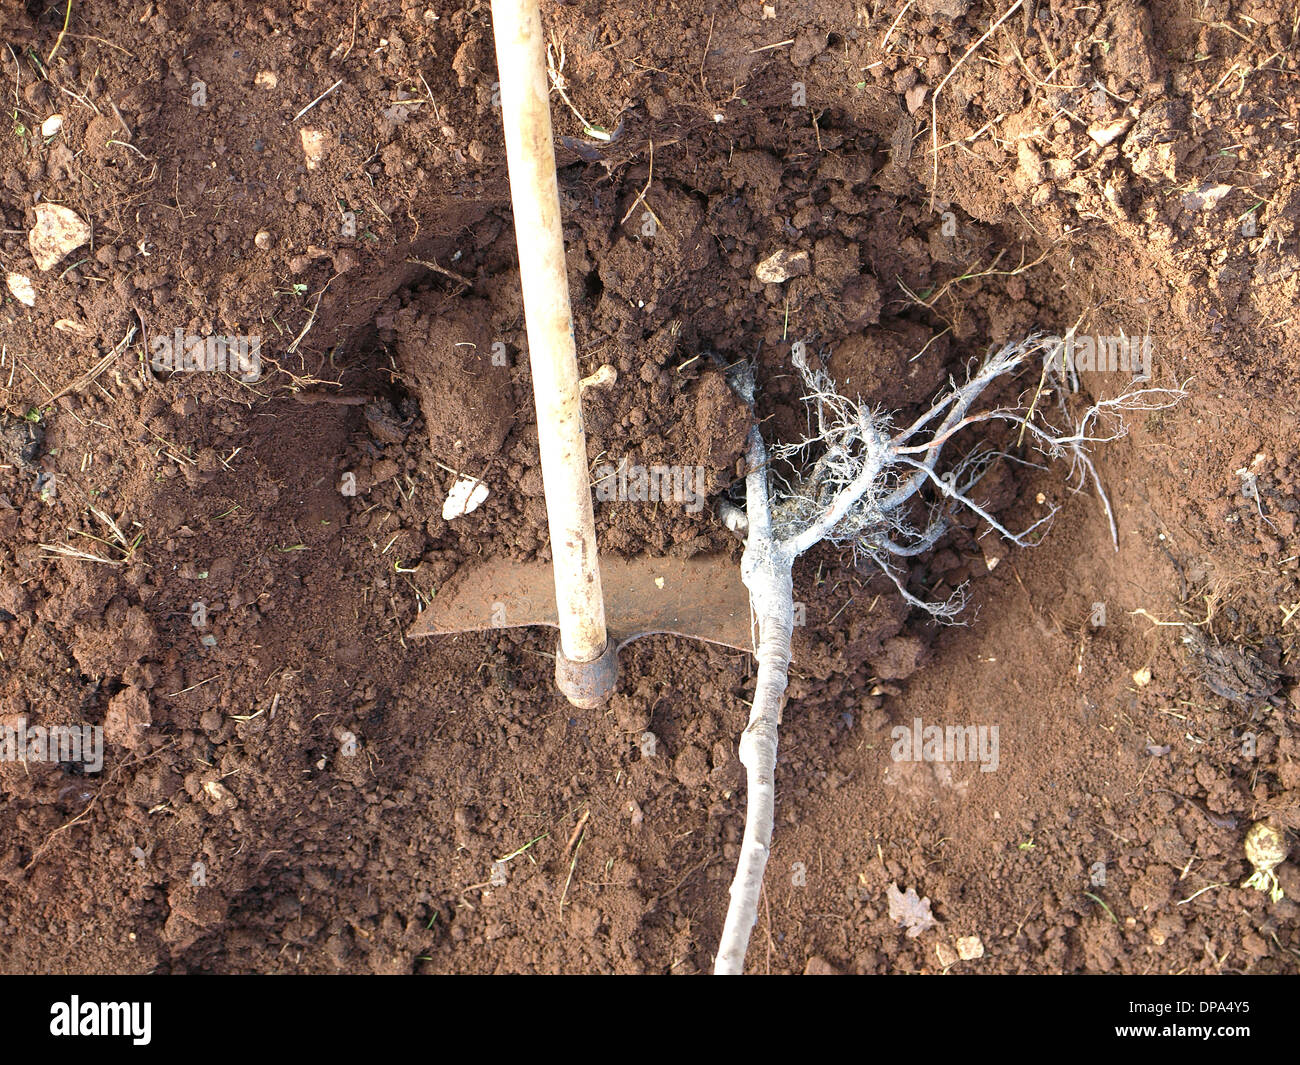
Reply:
x=534, y=193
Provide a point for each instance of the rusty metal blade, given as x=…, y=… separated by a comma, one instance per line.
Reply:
x=701, y=598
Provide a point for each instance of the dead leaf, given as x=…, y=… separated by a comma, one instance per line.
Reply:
x=910, y=912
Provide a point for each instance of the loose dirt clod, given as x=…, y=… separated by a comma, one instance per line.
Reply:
x=20, y=441
x=128, y=719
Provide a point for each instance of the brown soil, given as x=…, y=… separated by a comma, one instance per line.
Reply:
x=1123, y=743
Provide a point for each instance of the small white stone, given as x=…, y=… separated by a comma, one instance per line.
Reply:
x=315, y=142
x=465, y=497
x=217, y=791
x=1105, y=133
x=22, y=288
x=733, y=518
x=1206, y=198
x=781, y=266
x=51, y=125
x=58, y=231
x=602, y=378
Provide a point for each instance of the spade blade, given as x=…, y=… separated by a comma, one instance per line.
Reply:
x=701, y=598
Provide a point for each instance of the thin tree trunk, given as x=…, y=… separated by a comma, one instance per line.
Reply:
x=767, y=572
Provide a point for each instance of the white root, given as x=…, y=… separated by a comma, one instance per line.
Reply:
x=864, y=490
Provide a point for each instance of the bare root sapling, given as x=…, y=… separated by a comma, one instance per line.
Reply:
x=878, y=489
